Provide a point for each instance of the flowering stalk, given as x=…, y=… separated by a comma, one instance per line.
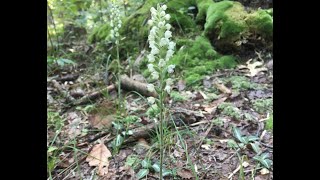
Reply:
x=116, y=23
x=162, y=49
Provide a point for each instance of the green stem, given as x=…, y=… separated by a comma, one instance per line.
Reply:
x=161, y=123
x=118, y=74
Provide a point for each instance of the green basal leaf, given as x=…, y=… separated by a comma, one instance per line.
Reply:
x=142, y=173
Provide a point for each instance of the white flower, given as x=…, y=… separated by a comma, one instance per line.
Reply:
x=151, y=58
x=168, y=26
x=150, y=87
x=168, y=89
x=162, y=63
x=117, y=34
x=164, y=41
x=169, y=54
x=151, y=100
x=161, y=23
x=162, y=13
x=115, y=29
x=150, y=67
x=154, y=50
x=164, y=7
x=119, y=25
x=152, y=44
x=171, y=45
x=167, y=17
x=150, y=22
x=155, y=75
x=169, y=82
x=111, y=24
x=153, y=31
x=171, y=68
x=151, y=38
x=168, y=34
x=153, y=10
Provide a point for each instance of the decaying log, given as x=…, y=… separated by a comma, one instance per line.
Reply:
x=126, y=83
x=132, y=85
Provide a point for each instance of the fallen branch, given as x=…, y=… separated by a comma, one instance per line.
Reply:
x=93, y=96
x=126, y=83
x=132, y=85
x=69, y=77
x=222, y=88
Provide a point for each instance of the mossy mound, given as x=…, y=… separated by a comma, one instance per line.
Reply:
x=228, y=24
x=197, y=58
x=261, y=22
x=203, y=6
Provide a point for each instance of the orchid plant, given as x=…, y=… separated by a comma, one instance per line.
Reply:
x=116, y=23
x=162, y=49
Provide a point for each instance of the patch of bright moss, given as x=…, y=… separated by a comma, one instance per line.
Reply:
x=242, y=83
x=177, y=97
x=198, y=58
x=153, y=111
x=263, y=105
x=225, y=21
x=269, y=123
x=229, y=109
x=203, y=6
x=261, y=22
x=193, y=79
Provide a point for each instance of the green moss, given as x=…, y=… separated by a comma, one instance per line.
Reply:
x=242, y=83
x=203, y=6
x=192, y=79
x=263, y=105
x=198, y=58
x=225, y=21
x=177, y=97
x=229, y=109
x=227, y=62
x=261, y=22
x=269, y=123
x=218, y=122
x=153, y=111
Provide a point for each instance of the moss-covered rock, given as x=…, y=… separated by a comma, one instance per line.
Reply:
x=228, y=24
x=225, y=22
x=203, y=6
x=261, y=22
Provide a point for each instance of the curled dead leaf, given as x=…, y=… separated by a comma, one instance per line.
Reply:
x=99, y=157
x=185, y=174
x=101, y=122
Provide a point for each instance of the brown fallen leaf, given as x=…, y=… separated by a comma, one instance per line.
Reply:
x=99, y=157
x=101, y=122
x=185, y=174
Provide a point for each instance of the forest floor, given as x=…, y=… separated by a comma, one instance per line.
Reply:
x=214, y=125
